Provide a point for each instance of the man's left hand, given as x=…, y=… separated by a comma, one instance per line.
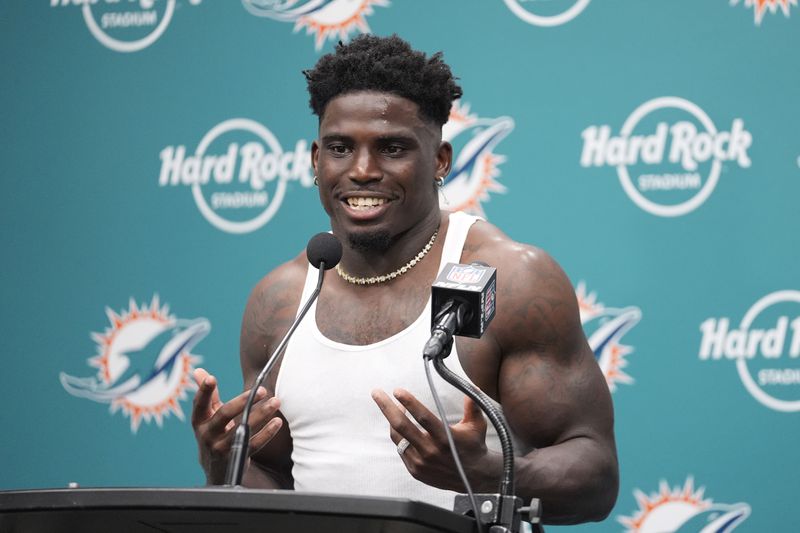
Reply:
x=428, y=456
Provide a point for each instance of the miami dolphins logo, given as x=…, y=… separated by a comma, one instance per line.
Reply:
x=475, y=171
x=144, y=363
x=604, y=328
x=682, y=510
x=326, y=19
x=760, y=7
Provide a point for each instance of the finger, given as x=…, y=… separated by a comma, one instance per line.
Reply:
x=411, y=453
x=221, y=421
x=472, y=413
x=203, y=407
x=266, y=434
x=426, y=419
x=201, y=375
x=262, y=413
x=400, y=426
x=263, y=425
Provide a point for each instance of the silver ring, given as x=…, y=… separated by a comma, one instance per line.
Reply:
x=402, y=445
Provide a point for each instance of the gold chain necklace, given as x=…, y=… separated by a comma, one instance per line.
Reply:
x=391, y=275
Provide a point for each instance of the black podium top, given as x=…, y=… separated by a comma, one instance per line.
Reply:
x=217, y=510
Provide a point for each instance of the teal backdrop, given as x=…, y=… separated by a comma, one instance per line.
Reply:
x=155, y=167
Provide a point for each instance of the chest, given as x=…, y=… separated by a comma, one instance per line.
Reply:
x=370, y=317
x=367, y=315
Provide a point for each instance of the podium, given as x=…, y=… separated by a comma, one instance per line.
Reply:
x=217, y=510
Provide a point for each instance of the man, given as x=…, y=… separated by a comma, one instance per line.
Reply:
x=347, y=410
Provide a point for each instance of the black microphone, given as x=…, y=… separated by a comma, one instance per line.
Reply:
x=324, y=252
x=462, y=303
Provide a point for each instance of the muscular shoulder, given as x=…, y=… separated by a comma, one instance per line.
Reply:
x=272, y=291
x=270, y=310
x=536, y=304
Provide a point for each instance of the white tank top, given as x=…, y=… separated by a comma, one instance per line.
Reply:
x=340, y=438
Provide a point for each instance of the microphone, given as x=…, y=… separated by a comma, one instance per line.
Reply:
x=462, y=303
x=324, y=252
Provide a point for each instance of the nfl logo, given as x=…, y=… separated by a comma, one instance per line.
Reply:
x=465, y=274
x=488, y=306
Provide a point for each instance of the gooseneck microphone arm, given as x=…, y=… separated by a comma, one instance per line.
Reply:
x=324, y=252
x=495, y=417
x=501, y=512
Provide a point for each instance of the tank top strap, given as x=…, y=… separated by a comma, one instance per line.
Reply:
x=457, y=231
x=311, y=283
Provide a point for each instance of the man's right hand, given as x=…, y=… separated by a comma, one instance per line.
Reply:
x=214, y=423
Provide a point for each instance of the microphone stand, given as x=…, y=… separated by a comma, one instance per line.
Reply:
x=502, y=512
x=241, y=438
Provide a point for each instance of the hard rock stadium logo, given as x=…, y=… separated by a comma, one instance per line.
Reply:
x=604, y=328
x=324, y=19
x=238, y=174
x=125, y=25
x=760, y=7
x=144, y=362
x=668, y=155
x=682, y=510
x=765, y=347
x=547, y=13
x=475, y=171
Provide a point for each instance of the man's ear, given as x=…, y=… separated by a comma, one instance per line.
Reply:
x=444, y=159
x=314, y=156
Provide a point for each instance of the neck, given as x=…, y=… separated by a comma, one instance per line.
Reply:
x=403, y=247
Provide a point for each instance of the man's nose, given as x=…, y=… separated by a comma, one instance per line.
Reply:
x=365, y=166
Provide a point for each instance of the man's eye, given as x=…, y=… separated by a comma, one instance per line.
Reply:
x=394, y=149
x=337, y=148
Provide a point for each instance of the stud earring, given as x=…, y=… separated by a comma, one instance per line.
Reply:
x=440, y=186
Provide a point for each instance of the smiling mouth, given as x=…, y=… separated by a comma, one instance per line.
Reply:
x=363, y=203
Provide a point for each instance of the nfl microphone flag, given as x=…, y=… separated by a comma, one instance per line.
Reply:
x=476, y=285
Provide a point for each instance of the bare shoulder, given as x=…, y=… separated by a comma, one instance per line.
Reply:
x=536, y=303
x=269, y=312
x=273, y=288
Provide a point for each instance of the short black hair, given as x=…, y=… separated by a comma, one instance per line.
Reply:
x=385, y=64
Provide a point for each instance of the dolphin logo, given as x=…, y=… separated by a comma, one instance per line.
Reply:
x=610, y=325
x=604, y=328
x=682, y=510
x=153, y=358
x=719, y=518
x=475, y=168
x=284, y=10
x=326, y=19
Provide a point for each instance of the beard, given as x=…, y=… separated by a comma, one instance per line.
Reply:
x=375, y=241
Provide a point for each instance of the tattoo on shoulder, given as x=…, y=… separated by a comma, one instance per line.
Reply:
x=269, y=315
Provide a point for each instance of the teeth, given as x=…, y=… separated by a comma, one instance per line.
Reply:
x=362, y=202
